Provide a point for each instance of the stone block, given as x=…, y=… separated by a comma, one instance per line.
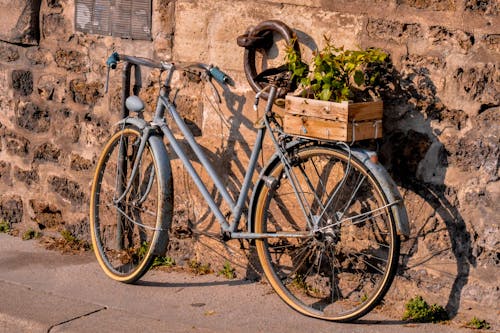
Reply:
x=5, y=177
x=443, y=36
x=11, y=208
x=51, y=87
x=482, y=7
x=46, y=215
x=68, y=189
x=54, y=3
x=37, y=56
x=79, y=163
x=46, y=152
x=22, y=82
x=87, y=93
x=8, y=53
x=393, y=31
x=55, y=26
x=478, y=150
x=438, y=5
x=93, y=131
x=20, y=21
x=16, y=144
x=29, y=177
x=492, y=42
x=479, y=83
x=33, y=118
x=72, y=60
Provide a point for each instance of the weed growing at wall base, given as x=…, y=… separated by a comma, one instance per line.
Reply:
x=199, y=268
x=417, y=310
x=163, y=262
x=227, y=271
x=478, y=324
x=4, y=226
x=31, y=234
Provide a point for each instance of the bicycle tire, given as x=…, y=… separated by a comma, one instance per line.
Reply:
x=343, y=270
x=127, y=235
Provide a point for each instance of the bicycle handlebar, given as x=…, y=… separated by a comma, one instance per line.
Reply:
x=212, y=71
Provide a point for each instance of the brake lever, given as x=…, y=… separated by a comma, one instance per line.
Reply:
x=216, y=93
x=214, y=90
x=107, y=81
x=111, y=64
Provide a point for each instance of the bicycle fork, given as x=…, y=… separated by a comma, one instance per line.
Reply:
x=124, y=189
x=135, y=168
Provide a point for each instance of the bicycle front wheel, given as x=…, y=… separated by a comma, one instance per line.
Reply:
x=338, y=249
x=126, y=214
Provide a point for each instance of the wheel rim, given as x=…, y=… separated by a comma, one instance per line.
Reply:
x=123, y=233
x=345, y=267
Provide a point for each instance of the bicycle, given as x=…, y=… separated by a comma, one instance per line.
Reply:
x=326, y=218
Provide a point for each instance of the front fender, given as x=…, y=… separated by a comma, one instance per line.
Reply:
x=137, y=122
x=162, y=161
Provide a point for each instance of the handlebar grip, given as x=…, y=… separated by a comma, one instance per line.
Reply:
x=113, y=60
x=220, y=76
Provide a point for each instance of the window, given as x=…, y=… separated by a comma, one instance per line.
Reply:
x=119, y=18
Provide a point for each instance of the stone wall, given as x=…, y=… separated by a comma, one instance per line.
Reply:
x=442, y=120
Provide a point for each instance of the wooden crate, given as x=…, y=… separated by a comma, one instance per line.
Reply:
x=332, y=121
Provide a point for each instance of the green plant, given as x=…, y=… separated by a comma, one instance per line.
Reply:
x=337, y=74
x=199, y=268
x=478, y=324
x=69, y=240
x=142, y=250
x=30, y=234
x=4, y=226
x=228, y=271
x=417, y=310
x=299, y=282
x=164, y=262
x=68, y=236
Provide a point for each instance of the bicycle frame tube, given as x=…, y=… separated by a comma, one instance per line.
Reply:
x=236, y=206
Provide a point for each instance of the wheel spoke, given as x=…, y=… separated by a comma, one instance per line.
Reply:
x=125, y=208
x=343, y=269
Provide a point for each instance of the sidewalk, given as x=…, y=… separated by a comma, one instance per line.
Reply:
x=44, y=291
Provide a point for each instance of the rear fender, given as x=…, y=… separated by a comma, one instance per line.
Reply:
x=389, y=188
x=388, y=185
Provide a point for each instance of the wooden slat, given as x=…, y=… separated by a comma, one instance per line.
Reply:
x=315, y=127
x=335, y=111
x=366, y=111
x=316, y=108
x=364, y=130
x=331, y=130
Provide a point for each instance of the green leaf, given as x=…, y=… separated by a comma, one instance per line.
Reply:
x=325, y=95
x=359, y=77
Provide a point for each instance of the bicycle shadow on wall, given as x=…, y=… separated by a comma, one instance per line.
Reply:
x=433, y=217
x=407, y=97
x=227, y=158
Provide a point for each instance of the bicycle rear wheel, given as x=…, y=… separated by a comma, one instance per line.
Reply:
x=126, y=228
x=345, y=253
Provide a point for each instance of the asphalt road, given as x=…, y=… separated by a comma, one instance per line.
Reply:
x=45, y=291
